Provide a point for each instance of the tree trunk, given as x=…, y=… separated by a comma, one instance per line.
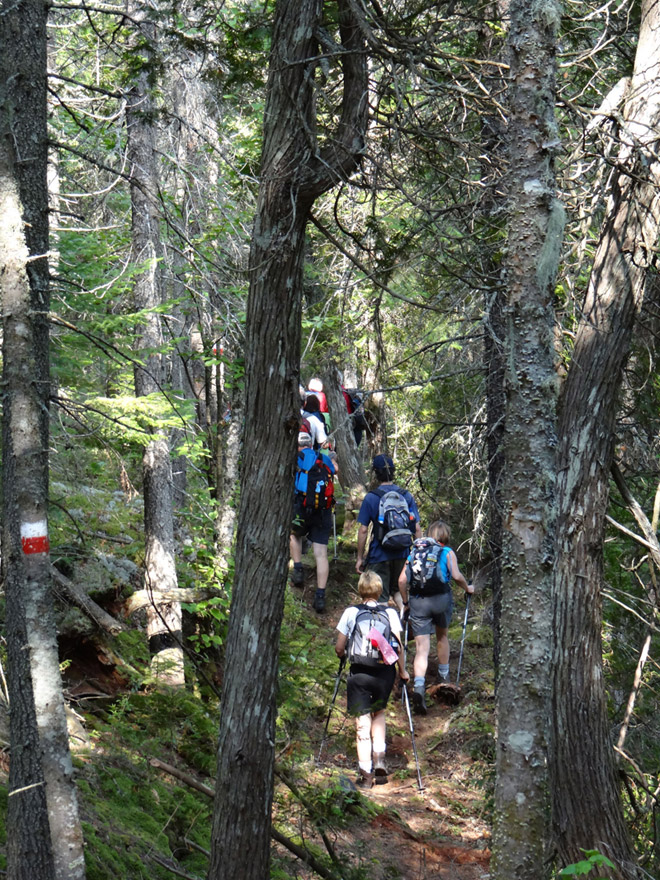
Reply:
x=536, y=222
x=351, y=475
x=294, y=171
x=587, y=811
x=163, y=623
x=43, y=829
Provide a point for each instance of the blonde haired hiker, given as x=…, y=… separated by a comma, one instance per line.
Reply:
x=372, y=672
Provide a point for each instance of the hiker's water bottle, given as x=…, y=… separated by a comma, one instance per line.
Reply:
x=379, y=641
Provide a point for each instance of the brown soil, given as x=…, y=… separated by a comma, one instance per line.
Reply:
x=442, y=831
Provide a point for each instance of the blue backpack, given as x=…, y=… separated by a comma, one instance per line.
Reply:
x=314, y=481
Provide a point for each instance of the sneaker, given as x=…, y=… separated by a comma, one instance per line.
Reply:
x=419, y=702
x=298, y=576
x=364, y=780
x=319, y=601
x=380, y=770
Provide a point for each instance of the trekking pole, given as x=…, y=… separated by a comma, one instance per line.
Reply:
x=342, y=662
x=334, y=533
x=406, y=701
x=460, y=656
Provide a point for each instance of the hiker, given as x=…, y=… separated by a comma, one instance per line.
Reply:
x=312, y=515
x=389, y=547
x=313, y=418
x=315, y=387
x=371, y=677
x=355, y=409
x=426, y=593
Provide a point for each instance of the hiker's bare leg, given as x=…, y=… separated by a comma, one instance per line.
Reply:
x=443, y=645
x=322, y=565
x=378, y=731
x=421, y=661
x=363, y=730
x=398, y=598
x=295, y=548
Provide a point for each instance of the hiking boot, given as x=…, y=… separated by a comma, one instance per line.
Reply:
x=442, y=679
x=319, y=601
x=298, y=576
x=380, y=770
x=364, y=780
x=419, y=701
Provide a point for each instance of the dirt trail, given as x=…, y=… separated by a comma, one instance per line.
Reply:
x=441, y=832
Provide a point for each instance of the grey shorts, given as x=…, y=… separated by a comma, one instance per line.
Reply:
x=428, y=612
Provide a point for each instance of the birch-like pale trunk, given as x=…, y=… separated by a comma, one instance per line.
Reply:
x=295, y=169
x=587, y=809
x=535, y=229
x=44, y=837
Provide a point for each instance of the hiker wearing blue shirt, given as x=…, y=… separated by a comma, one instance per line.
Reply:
x=430, y=604
x=312, y=514
x=392, y=531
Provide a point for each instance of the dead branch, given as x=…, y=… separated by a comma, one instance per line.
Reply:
x=88, y=606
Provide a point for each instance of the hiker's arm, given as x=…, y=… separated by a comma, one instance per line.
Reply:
x=456, y=574
x=418, y=530
x=363, y=531
x=340, y=645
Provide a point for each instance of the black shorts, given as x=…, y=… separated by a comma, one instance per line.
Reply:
x=427, y=612
x=368, y=688
x=316, y=525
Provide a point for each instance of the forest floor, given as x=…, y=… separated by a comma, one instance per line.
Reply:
x=443, y=830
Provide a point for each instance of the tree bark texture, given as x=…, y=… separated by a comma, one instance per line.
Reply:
x=43, y=829
x=351, y=474
x=163, y=622
x=535, y=229
x=587, y=811
x=296, y=168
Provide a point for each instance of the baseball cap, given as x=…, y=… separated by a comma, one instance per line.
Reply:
x=382, y=462
x=304, y=439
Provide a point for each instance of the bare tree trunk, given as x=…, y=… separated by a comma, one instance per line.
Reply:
x=163, y=623
x=228, y=448
x=294, y=172
x=536, y=223
x=351, y=475
x=43, y=828
x=587, y=810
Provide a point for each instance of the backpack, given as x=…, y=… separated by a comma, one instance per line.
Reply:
x=314, y=481
x=429, y=568
x=357, y=413
x=360, y=648
x=305, y=426
x=396, y=524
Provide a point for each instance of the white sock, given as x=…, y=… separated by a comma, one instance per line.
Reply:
x=366, y=767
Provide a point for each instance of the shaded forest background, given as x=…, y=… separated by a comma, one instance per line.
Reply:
x=155, y=133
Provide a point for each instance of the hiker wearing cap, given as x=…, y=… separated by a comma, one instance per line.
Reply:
x=312, y=514
x=371, y=673
x=394, y=519
x=429, y=601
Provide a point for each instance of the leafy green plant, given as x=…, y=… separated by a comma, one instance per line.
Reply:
x=593, y=859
